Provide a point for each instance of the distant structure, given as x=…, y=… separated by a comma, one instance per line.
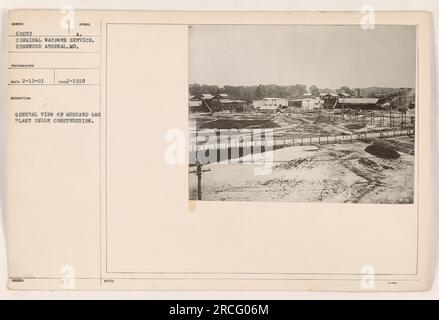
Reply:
x=223, y=96
x=196, y=105
x=358, y=103
x=221, y=102
x=344, y=95
x=407, y=98
x=257, y=104
x=268, y=109
x=206, y=99
x=209, y=103
x=270, y=105
x=358, y=93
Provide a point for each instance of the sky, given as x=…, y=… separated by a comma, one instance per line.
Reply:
x=326, y=56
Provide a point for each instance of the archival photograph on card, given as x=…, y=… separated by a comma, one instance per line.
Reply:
x=302, y=113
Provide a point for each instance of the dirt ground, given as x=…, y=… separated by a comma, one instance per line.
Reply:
x=342, y=172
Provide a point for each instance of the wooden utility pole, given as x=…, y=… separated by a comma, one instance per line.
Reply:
x=390, y=115
x=199, y=172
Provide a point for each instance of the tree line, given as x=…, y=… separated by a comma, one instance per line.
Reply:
x=250, y=93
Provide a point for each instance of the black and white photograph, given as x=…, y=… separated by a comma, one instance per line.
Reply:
x=302, y=113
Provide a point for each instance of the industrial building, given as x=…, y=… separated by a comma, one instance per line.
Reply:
x=271, y=105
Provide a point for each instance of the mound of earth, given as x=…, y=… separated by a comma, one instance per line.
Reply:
x=355, y=126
